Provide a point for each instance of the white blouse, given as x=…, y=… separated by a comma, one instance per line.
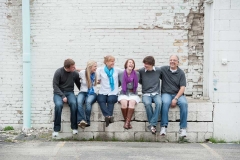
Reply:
x=84, y=87
x=105, y=88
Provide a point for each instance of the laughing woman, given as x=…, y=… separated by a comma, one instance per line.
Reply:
x=87, y=94
x=128, y=96
x=107, y=96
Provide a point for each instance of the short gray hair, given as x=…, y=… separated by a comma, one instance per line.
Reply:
x=174, y=55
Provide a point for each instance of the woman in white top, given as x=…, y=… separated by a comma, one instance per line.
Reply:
x=107, y=96
x=87, y=94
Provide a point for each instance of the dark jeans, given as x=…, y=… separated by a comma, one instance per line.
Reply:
x=106, y=103
x=85, y=113
x=72, y=102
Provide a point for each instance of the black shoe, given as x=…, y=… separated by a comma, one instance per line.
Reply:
x=107, y=120
x=111, y=119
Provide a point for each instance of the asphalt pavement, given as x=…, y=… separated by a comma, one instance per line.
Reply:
x=89, y=150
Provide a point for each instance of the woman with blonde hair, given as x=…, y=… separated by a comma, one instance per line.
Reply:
x=87, y=94
x=107, y=96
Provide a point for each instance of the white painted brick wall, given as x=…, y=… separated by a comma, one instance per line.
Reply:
x=10, y=61
x=85, y=30
x=226, y=45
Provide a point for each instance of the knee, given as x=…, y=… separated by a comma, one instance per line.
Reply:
x=183, y=104
x=80, y=103
x=112, y=100
x=58, y=106
x=73, y=105
x=158, y=103
x=147, y=103
x=100, y=99
x=166, y=101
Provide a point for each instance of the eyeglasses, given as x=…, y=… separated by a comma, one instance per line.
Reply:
x=173, y=60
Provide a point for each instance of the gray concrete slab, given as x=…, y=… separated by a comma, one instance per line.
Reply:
x=64, y=150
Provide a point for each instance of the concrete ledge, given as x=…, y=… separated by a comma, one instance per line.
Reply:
x=200, y=124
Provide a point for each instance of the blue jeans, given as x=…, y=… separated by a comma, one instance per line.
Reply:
x=152, y=116
x=106, y=103
x=84, y=114
x=72, y=102
x=166, y=103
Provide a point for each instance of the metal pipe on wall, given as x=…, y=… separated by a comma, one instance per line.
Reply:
x=26, y=64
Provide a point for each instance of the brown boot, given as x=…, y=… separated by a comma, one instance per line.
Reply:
x=127, y=124
x=124, y=113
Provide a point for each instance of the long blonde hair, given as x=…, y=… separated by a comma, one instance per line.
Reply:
x=88, y=73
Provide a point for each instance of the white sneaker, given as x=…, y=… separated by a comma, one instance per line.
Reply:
x=163, y=131
x=54, y=134
x=75, y=131
x=183, y=132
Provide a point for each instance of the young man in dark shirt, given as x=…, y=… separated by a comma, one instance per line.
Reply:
x=63, y=86
x=173, y=87
x=150, y=80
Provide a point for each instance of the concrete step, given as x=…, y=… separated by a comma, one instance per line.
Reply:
x=200, y=124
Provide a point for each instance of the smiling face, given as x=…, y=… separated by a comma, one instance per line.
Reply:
x=71, y=68
x=129, y=64
x=148, y=67
x=94, y=67
x=173, y=62
x=110, y=63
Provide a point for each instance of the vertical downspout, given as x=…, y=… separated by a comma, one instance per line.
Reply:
x=26, y=65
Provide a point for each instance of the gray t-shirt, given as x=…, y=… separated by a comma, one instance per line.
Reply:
x=129, y=85
x=150, y=80
x=172, y=81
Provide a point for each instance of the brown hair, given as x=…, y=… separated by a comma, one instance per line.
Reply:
x=108, y=58
x=125, y=65
x=88, y=73
x=149, y=60
x=68, y=62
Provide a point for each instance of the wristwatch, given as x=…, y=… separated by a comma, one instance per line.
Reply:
x=176, y=98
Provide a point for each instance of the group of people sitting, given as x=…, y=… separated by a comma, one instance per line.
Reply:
x=170, y=94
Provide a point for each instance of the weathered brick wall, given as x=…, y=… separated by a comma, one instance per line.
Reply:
x=85, y=30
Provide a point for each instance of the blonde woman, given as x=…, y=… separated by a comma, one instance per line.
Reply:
x=107, y=96
x=87, y=94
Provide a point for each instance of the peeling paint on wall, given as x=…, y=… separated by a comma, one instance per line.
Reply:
x=195, y=51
